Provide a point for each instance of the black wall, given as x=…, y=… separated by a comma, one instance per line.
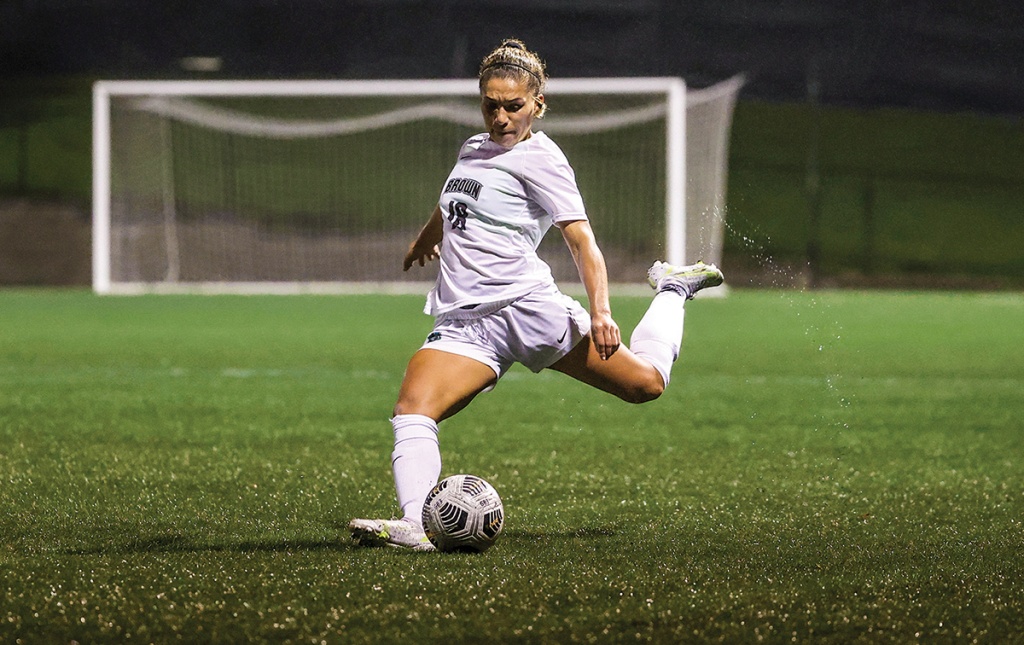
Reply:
x=940, y=55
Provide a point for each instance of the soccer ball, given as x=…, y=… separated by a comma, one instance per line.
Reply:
x=463, y=513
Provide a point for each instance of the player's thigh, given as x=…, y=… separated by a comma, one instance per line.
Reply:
x=438, y=384
x=624, y=374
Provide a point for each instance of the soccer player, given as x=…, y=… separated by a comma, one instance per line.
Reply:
x=495, y=302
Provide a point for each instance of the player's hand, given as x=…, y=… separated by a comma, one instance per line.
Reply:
x=605, y=334
x=418, y=254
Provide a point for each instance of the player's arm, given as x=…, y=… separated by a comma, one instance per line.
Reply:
x=579, y=237
x=424, y=247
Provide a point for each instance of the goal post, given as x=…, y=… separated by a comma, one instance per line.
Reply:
x=319, y=186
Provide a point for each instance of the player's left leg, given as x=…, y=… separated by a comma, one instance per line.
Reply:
x=624, y=374
x=641, y=372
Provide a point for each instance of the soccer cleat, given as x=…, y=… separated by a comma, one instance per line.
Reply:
x=686, y=281
x=398, y=534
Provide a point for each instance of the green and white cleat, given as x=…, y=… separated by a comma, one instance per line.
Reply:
x=398, y=534
x=684, y=280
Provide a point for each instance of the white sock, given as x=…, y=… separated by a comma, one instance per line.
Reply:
x=660, y=332
x=416, y=462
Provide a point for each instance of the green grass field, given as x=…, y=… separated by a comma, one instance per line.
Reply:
x=826, y=466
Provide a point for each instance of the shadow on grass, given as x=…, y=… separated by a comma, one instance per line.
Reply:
x=184, y=544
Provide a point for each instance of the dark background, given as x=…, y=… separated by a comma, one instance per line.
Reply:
x=874, y=142
x=937, y=55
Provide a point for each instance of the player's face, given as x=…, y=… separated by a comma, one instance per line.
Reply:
x=508, y=107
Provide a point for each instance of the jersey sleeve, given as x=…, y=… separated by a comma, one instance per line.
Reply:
x=551, y=182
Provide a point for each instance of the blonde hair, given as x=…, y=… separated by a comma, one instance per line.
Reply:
x=511, y=59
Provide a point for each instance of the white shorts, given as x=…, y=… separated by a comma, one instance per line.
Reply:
x=535, y=330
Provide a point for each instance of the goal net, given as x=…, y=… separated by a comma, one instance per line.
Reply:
x=307, y=186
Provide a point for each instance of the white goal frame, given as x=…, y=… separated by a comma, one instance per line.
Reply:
x=674, y=90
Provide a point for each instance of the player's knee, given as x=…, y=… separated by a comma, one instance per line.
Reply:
x=425, y=405
x=645, y=390
x=410, y=405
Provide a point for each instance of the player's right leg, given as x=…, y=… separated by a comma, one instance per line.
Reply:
x=395, y=533
x=437, y=384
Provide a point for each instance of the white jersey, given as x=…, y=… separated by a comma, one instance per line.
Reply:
x=497, y=205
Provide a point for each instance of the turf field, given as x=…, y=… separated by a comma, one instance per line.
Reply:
x=826, y=466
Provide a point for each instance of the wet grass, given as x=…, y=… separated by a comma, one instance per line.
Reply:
x=833, y=466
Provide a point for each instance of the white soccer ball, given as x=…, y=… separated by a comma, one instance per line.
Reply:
x=463, y=513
